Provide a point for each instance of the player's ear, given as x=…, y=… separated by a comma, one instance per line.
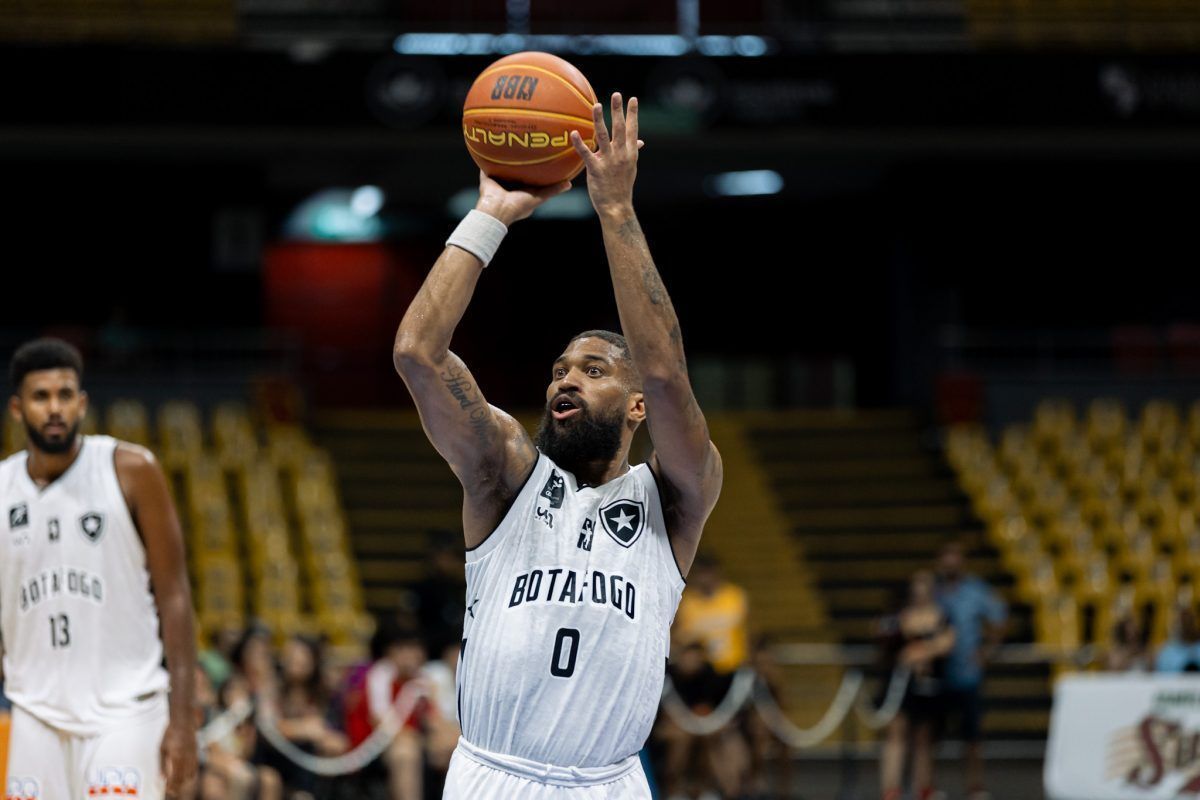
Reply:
x=14, y=407
x=637, y=407
x=83, y=404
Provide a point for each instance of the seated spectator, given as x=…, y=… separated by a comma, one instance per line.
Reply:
x=1182, y=652
x=226, y=772
x=1128, y=650
x=442, y=720
x=764, y=745
x=397, y=657
x=713, y=611
x=302, y=713
x=693, y=764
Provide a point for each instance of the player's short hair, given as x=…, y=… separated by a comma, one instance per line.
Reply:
x=622, y=346
x=44, y=353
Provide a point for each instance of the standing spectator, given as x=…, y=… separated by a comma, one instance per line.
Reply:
x=713, y=612
x=977, y=615
x=920, y=637
x=1182, y=652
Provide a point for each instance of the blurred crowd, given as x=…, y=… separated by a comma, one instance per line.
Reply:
x=329, y=706
x=942, y=634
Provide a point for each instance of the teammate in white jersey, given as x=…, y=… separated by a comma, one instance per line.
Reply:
x=575, y=561
x=91, y=562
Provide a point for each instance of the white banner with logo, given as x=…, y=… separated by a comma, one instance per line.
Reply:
x=1124, y=737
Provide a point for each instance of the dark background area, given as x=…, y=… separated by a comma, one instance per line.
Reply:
x=973, y=190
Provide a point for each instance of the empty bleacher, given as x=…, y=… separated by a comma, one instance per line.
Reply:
x=869, y=504
x=261, y=515
x=1094, y=513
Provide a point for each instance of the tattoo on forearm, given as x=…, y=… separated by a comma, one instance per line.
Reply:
x=469, y=400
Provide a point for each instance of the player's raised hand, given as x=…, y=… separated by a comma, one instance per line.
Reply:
x=612, y=168
x=179, y=761
x=510, y=205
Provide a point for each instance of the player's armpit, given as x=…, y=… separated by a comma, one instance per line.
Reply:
x=488, y=450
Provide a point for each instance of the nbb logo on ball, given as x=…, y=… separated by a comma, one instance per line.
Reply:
x=514, y=87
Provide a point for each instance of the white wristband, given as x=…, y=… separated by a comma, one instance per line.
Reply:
x=479, y=234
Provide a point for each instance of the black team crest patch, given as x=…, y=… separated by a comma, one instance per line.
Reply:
x=624, y=520
x=92, y=525
x=553, y=490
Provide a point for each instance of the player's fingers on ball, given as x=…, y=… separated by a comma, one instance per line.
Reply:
x=618, y=120
x=601, y=128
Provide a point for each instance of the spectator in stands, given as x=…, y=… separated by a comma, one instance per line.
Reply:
x=302, y=713
x=398, y=654
x=919, y=637
x=441, y=722
x=693, y=764
x=978, y=616
x=1128, y=650
x=226, y=772
x=439, y=599
x=1182, y=652
x=713, y=611
x=764, y=745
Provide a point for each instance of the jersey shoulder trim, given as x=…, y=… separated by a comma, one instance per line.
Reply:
x=498, y=533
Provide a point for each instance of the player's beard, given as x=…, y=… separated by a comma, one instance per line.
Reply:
x=581, y=439
x=54, y=447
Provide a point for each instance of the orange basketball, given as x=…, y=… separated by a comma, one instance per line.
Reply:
x=519, y=115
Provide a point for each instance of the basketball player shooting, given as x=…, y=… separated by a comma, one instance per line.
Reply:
x=575, y=560
x=92, y=561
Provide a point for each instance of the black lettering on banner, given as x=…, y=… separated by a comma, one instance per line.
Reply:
x=498, y=89
x=518, y=595
x=598, y=588
x=60, y=632
x=556, y=666
x=535, y=586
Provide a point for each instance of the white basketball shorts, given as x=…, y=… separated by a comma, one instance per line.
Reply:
x=45, y=763
x=477, y=774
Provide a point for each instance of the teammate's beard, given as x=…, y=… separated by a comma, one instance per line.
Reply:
x=55, y=448
x=582, y=439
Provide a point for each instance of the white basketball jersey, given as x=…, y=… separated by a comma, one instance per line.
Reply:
x=80, y=627
x=569, y=609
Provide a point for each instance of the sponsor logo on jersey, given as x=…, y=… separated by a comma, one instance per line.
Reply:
x=63, y=580
x=23, y=789
x=566, y=587
x=114, y=782
x=624, y=520
x=92, y=525
x=554, y=489
x=585, y=535
x=18, y=516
